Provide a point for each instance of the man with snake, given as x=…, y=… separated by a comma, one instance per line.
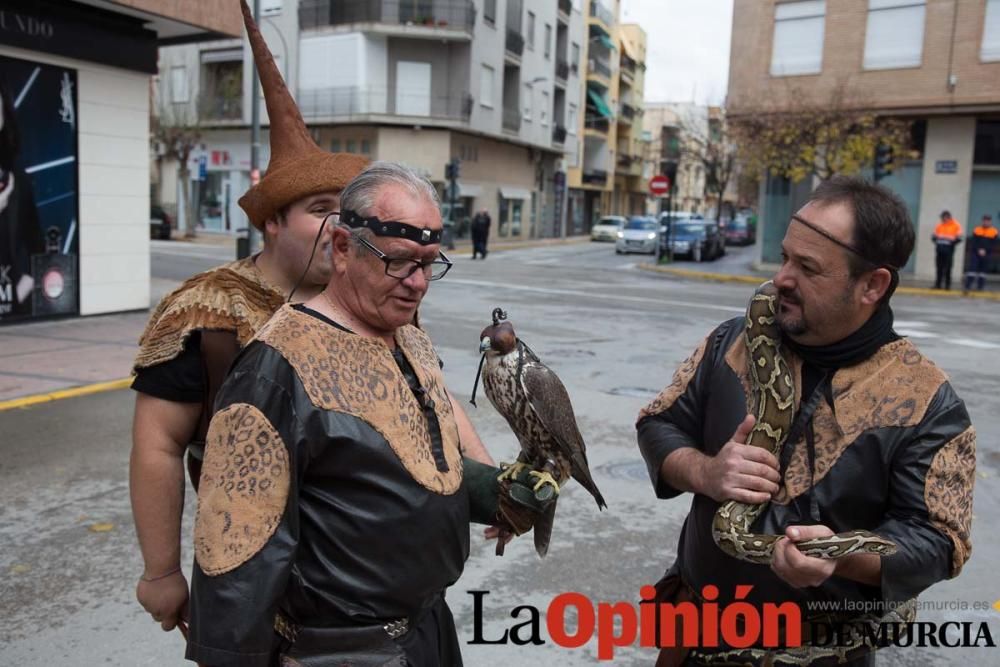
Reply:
x=849, y=453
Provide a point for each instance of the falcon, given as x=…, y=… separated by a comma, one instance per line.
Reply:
x=535, y=404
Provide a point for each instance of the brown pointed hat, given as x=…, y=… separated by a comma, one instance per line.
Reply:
x=298, y=167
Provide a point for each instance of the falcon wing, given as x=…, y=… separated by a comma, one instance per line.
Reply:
x=550, y=402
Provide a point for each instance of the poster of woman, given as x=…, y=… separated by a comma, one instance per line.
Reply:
x=38, y=190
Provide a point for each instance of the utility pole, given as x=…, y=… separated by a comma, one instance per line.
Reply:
x=253, y=236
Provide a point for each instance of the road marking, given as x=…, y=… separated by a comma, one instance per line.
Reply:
x=968, y=342
x=592, y=295
x=97, y=387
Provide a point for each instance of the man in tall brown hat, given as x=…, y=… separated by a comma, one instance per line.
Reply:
x=196, y=331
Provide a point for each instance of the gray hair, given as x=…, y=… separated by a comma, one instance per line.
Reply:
x=360, y=194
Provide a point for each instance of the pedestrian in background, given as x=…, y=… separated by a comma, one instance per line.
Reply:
x=981, y=245
x=947, y=235
x=480, y=233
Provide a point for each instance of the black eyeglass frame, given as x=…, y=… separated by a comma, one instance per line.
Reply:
x=386, y=259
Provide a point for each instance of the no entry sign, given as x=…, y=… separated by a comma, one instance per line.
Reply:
x=659, y=185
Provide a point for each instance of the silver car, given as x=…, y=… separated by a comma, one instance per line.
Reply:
x=640, y=234
x=607, y=228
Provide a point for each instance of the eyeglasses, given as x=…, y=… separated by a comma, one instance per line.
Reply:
x=402, y=268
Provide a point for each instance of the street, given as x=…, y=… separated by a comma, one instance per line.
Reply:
x=614, y=334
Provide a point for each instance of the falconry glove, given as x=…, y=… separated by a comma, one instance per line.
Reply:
x=511, y=503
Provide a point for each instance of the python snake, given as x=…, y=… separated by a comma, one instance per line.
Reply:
x=773, y=397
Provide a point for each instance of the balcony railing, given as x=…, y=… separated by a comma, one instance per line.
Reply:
x=600, y=67
x=628, y=112
x=598, y=123
x=562, y=69
x=515, y=42
x=601, y=13
x=452, y=14
x=595, y=176
x=353, y=101
x=628, y=65
x=212, y=106
x=566, y=6
x=559, y=134
x=511, y=119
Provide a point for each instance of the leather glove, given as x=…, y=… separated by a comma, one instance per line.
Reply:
x=510, y=504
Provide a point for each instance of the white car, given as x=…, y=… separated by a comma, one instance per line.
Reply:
x=640, y=234
x=607, y=228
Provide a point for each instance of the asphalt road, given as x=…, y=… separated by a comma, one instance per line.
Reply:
x=69, y=558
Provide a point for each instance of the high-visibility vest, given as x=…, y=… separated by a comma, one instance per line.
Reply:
x=985, y=232
x=949, y=230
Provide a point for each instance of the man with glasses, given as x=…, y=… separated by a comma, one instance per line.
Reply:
x=335, y=502
x=880, y=440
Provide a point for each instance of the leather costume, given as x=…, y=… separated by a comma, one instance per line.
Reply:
x=217, y=312
x=332, y=497
x=893, y=452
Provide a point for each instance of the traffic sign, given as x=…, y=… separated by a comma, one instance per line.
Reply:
x=659, y=185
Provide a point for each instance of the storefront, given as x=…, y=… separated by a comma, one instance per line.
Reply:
x=74, y=150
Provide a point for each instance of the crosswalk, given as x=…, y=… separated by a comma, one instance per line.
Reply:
x=922, y=330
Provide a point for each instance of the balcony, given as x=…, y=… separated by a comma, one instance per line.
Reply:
x=565, y=9
x=629, y=165
x=601, y=13
x=597, y=124
x=514, y=43
x=380, y=103
x=595, y=177
x=220, y=107
x=562, y=71
x=559, y=135
x=600, y=68
x=627, y=113
x=511, y=119
x=436, y=18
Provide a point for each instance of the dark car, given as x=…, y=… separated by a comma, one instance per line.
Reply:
x=160, y=223
x=740, y=231
x=701, y=240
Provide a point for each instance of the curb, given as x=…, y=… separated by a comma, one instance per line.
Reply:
x=756, y=280
x=73, y=392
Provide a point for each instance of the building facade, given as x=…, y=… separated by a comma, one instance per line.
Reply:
x=75, y=196
x=489, y=82
x=934, y=62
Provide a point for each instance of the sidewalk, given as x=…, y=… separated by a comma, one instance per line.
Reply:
x=747, y=272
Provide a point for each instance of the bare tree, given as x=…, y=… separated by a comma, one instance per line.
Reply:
x=707, y=141
x=817, y=137
x=175, y=133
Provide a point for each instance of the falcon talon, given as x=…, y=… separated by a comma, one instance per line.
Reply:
x=510, y=470
x=543, y=479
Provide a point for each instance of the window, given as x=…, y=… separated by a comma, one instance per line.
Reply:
x=991, y=32
x=352, y=146
x=334, y=145
x=895, y=34
x=179, y=93
x=527, y=102
x=548, y=40
x=486, y=86
x=366, y=147
x=571, y=119
x=270, y=7
x=490, y=12
x=574, y=62
x=545, y=108
x=529, y=32
x=798, y=38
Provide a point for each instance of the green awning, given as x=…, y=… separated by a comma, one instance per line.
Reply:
x=606, y=41
x=602, y=106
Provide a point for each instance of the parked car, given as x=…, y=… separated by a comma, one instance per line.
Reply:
x=160, y=223
x=607, y=228
x=701, y=240
x=740, y=231
x=640, y=234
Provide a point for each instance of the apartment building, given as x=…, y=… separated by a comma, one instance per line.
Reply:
x=632, y=172
x=935, y=62
x=74, y=195
x=493, y=83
